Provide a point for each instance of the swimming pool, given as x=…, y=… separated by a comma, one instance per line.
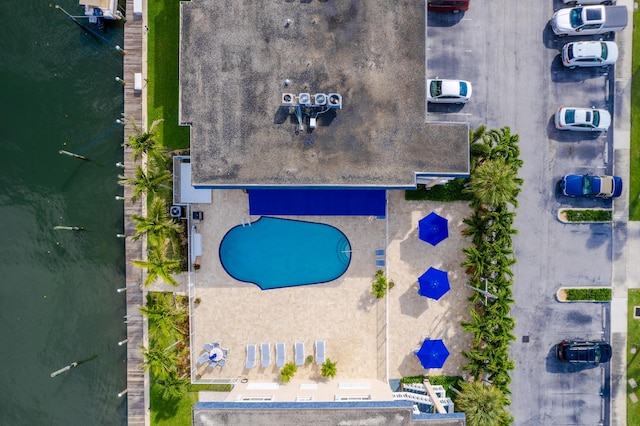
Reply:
x=274, y=253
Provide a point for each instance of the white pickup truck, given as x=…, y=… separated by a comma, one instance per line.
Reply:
x=588, y=20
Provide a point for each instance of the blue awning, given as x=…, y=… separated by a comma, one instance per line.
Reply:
x=317, y=202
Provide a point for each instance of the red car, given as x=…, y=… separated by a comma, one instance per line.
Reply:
x=455, y=6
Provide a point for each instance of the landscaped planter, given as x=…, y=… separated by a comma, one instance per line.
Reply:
x=585, y=215
x=585, y=294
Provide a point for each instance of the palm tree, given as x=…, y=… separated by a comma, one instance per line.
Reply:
x=145, y=143
x=494, y=183
x=165, y=319
x=157, y=221
x=477, y=262
x=160, y=362
x=172, y=387
x=483, y=405
x=504, y=145
x=329, y=369
x=153, y=181
x=478, y=359
x=158, y=265
x=476, y=227
x=478, y=326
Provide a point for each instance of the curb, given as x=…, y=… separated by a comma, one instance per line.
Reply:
x=561, y=296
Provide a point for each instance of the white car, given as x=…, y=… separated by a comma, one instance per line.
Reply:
x=442, y=91
x=589, y=54
x=582, y=119
x=576, y=2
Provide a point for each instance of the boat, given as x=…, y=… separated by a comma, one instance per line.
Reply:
x=99, y=10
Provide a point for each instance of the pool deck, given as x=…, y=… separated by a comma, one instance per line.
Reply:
x=366, y=340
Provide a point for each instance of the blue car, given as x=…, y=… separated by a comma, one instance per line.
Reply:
x=591, y=186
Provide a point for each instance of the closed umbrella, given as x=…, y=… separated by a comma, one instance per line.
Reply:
x=433, y=228
x=432, y=354
x=434, y=283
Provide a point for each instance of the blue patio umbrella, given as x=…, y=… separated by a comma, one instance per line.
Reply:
x=432, y=354
x=433, y=228
x=434, y=283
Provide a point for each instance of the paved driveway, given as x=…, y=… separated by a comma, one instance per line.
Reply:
x=508, y=52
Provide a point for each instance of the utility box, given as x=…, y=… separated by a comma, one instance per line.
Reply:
x=137, y=82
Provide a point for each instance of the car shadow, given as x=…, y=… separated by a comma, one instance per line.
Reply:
x=554, y=365
x=562, y=74
x=443, y=19
x=549, y=39
x=569, y=135
x=444, y=108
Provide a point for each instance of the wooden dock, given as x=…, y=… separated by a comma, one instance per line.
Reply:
x=137, y=380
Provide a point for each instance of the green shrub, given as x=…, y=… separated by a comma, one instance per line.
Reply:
x=288, y=371
x=381, y=285
x=329, y=369
x=600, y=294
x=450, y=191
x=589, y=215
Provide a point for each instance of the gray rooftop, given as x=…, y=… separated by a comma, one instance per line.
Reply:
x=383, y=413
x=235, y=57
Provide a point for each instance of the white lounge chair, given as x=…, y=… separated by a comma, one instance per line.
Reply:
x=281, y=356
x=265, y=351
x=320, y=355
x=207, y=347
x=203, y=358
x=299, y=353
x=251, y=356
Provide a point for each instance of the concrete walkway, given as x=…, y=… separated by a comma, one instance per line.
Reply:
x=625, y=270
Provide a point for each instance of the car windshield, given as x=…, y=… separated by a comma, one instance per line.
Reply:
x=576, y=17
x=587, y=184
x=463, y=88
x=436, y=88
x=597, y=353
x=596, y=118
x=604, y=50
x=570, y=116
x=570, y=51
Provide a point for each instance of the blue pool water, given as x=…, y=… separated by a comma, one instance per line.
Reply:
x=274, y=253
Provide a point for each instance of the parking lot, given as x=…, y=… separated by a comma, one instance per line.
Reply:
x=507, y=50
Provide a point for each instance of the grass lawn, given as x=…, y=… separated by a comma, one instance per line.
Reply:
x=162, y=59
x=634, y=184
x=633, y=360
x=175, y=411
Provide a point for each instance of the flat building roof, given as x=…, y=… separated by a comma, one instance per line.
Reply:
x=235, y=58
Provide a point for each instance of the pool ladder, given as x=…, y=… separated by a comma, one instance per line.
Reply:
x=248, y=222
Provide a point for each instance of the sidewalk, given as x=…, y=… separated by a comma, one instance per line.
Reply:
x=625, y=234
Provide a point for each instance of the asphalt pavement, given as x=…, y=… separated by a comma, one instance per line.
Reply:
x=511, y=56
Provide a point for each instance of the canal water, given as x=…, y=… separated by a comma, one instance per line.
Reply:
x=58, y=298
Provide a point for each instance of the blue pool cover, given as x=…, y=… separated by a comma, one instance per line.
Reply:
x=317, y=202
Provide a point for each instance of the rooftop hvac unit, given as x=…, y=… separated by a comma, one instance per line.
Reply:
x=335, y=100
x=288, y=99
x=304, y=99
x=320, y=99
